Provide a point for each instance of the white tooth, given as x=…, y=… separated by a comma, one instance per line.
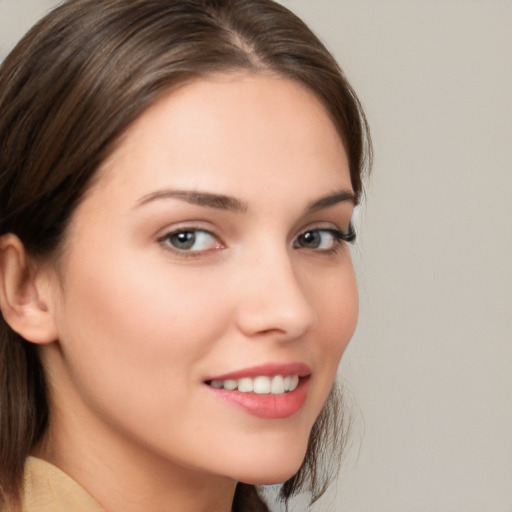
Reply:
x=287, y=383
x=262, y=385
x=230, y=384
x=294, y=382
x=245, y=385
x=277, y=386
x=217, y=384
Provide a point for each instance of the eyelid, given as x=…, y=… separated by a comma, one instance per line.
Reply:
x=348, y=235
x=184, y=228
x=186, y=225
x=340, y=238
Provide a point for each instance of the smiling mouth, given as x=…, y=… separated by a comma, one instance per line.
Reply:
x=260, y=385
x=268, y=391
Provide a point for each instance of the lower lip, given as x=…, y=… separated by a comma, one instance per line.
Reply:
x=269, y=406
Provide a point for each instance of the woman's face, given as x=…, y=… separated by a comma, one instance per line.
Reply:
x=208, y=254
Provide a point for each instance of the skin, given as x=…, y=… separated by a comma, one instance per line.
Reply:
x=140, y=325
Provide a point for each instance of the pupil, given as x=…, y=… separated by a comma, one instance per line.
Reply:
x=183, y=240
x=311, y=239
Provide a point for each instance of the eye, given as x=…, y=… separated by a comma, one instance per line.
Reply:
x=191, y=240
x=322, y=239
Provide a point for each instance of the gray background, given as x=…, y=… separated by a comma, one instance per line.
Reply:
x=429, y=370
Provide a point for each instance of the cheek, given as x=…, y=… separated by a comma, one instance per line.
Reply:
x=143, y=304
x=337, y=306
x=343, y=305
x=132, y=324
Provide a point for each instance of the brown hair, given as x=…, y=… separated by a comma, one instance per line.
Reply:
x=70, y=89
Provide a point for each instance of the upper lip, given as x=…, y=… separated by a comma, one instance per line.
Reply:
x=269, y=370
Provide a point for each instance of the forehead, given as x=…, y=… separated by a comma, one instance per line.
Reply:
x=227, y=130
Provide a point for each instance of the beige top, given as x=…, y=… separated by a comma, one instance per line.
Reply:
x=48, y=489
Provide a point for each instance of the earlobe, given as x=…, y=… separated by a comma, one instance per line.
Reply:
x=24, y=301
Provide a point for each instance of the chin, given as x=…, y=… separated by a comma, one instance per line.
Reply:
x=272, y=470
x=271, y=479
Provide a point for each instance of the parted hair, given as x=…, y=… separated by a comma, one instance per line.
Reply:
x=70, y=89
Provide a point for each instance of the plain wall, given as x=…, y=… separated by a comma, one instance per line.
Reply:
x=430, y=367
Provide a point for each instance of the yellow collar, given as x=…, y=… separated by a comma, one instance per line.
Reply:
x=47, y=488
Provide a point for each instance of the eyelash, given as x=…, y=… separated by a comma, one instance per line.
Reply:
x=339, y=237
x=165, y=241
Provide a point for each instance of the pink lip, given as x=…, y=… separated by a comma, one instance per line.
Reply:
x=266, y=406
x=269, y=370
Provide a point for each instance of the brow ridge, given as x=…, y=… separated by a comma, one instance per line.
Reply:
x=217, y=201
x=332, y=199
x=223, y=202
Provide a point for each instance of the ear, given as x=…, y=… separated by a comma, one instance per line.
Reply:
x=25, y=293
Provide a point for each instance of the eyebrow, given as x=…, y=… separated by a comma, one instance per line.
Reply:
x=222, y=202
x=332, y=199
x=217, y=201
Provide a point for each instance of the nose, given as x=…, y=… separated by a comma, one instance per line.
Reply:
x=272, y=299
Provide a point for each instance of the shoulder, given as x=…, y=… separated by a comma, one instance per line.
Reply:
x=46, y=487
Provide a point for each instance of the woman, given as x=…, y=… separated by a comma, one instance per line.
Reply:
x=177, y=184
